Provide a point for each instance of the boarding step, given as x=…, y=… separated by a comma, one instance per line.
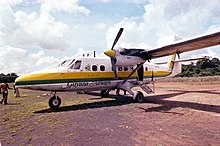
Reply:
x=145, y=87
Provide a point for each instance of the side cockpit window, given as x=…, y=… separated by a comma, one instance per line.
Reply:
x=77, y=64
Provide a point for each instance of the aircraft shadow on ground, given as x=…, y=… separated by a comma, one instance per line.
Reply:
x=166, y=105
x=217, y=92
x=11, y=103
x=116, y=101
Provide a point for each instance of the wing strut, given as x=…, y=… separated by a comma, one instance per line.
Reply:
x=138, y=66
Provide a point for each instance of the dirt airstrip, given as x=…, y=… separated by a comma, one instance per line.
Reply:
x=179, y=113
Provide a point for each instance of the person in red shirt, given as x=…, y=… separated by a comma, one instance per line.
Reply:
x=4, y=90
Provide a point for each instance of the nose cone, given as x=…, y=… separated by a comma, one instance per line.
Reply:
x=18, y=79
x=110, y=53
x=22, y=80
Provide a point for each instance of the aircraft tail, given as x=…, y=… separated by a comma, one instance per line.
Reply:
x=174, y=67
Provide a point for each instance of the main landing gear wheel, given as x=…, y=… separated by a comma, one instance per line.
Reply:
x=138, y=97
x=54, y=102
x=104, y=93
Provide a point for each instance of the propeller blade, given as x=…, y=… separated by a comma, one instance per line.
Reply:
x=117, y=37
x=114, y=68
x=112, y=53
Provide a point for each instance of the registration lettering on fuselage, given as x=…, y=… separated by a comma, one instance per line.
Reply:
x=88, y=84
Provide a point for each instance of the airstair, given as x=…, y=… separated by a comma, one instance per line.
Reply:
x=146, y=88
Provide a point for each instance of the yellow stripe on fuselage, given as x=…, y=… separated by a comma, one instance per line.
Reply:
x=85, y=75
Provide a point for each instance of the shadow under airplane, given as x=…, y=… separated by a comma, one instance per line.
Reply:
x=116, y=101
x=166, y=105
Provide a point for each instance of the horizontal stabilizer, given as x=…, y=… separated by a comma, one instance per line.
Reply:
x=186, y=60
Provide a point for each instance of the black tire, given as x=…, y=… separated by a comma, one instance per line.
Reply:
x=107, y=94
x=138, y=97
x=104, y=93
x=54, y=102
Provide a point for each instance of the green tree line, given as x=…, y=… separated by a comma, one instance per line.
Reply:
x=9, y=78
x=207, y=67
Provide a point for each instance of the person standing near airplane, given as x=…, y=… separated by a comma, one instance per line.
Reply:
x=4, y=90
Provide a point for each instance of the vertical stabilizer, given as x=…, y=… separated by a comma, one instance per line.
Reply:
x=171, y=62
x=174, y=67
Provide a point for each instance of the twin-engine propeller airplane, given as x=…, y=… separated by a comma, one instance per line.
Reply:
x=125, y=69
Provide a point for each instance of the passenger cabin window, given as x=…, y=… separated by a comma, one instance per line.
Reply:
x=94, y=68
x=146, y=69
x=125, y=68
x=102, y=68
x=120, y=68
x=78, y=64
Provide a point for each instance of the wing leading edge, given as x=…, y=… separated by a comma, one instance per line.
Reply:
x=186, y=45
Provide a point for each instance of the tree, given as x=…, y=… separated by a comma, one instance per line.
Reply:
x=205, y=67
x=9, y=78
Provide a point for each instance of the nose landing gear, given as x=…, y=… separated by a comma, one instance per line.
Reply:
x=54, y=102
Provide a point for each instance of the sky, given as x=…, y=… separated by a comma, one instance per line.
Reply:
x=35, y=34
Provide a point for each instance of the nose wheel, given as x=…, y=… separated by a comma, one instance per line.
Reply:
x=54, y=102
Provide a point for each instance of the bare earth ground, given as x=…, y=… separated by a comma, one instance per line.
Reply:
x=178, y=114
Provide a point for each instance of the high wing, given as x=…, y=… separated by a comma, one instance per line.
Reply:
x=195, y=43
x=184, y=46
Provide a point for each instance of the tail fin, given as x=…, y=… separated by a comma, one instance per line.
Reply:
x=174, y=67
x=171, y=62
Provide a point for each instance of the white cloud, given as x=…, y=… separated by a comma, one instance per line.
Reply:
x=103, y=1
x=127, y=1
x=37, y=29
x=42, y=30
x=23, y=61
x=69, y=6
x=8, y=3
x=136, y=1
x=100, y=26
x=33, y=29
x=163, y=19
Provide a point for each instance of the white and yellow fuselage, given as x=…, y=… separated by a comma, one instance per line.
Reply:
x=90, y=74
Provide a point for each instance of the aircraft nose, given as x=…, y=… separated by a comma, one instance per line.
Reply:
x=21, y=80
x=110, y=53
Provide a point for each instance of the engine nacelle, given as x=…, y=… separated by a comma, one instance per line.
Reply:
x=124, y=60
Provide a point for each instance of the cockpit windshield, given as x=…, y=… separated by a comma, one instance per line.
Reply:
x=67, y=63
x=72, y=64
x=76, y=64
